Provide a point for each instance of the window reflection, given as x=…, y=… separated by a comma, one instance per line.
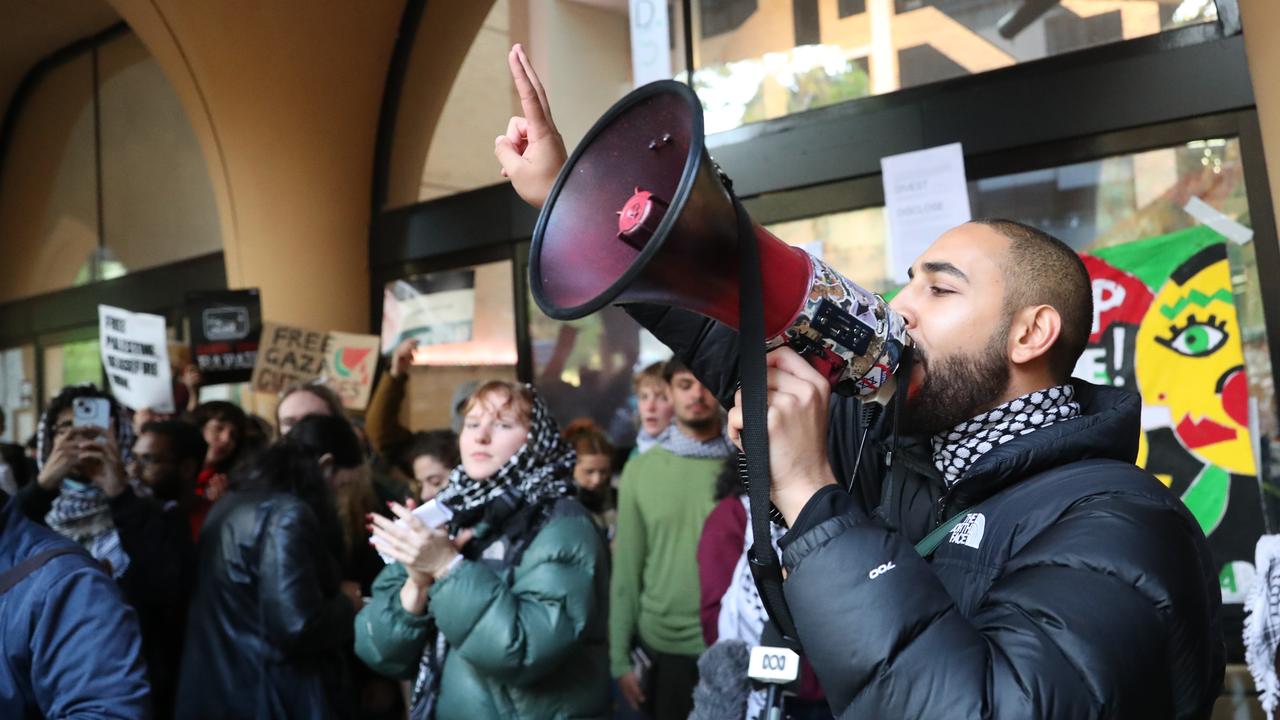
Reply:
x=584, y=368
x=17, y=393
x=71, y=363
x=761, y=59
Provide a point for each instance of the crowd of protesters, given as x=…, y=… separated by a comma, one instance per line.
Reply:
x=204, y=565
x=214, y=564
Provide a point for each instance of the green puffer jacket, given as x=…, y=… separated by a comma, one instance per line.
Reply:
x=527, y=641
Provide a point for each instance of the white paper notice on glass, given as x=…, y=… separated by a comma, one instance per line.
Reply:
x=650, y=41
x=924, y=196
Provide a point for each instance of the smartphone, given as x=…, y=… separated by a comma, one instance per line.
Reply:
x=91, y=412
x=431, y=513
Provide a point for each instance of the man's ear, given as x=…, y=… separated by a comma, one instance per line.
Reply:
x=1032, y=332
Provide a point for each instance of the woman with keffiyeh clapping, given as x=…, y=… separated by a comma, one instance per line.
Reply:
x=502, y=614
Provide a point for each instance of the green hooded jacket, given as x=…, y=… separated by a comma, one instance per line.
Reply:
x=527, y=641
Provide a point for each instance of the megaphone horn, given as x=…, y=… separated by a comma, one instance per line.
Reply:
x=641, y=214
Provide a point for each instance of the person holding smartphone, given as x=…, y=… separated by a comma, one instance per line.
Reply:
x=83, y=493
x=81, y=467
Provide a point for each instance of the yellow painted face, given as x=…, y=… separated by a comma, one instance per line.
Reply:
x=1188, y=359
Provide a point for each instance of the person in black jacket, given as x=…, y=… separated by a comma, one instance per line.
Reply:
x=269, y=625
x=1075, y=585
x=154, y=527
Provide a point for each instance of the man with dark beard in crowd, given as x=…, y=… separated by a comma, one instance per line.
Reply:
x=167, y=456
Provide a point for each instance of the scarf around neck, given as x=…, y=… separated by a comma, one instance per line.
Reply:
x=81, y=514
x=540, y=471
x=644, y=440
x=957, y=449
x=677, y=443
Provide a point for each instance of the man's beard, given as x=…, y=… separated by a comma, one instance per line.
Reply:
x=957, y=388
x=701, y=425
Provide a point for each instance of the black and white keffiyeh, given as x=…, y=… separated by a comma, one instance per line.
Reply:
x=677, y=443
x=957, y=449
x=541, y=470
x=81, y=514
x=80, y=511
x=644, y=440
x=1262, y=623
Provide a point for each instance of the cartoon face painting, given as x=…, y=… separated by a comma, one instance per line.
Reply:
x=1189, y=360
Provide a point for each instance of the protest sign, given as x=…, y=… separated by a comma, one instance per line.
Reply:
x=224, y=325
x=345, y=362
x=287, y=355
x=135, y=356
x=350, y=364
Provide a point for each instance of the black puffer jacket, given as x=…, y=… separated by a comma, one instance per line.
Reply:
x=1079, y=588
x=268, y=626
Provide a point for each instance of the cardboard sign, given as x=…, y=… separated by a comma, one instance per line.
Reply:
x=225, y=326
x=351, y=361
x=289, y=355
x=135, y=357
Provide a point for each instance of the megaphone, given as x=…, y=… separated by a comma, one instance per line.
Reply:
x=641, y=214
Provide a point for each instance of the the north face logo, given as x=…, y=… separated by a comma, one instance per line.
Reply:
x=969, y=531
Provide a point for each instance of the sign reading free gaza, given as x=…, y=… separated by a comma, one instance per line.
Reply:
x=345, y=362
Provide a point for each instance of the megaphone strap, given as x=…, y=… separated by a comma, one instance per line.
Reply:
x=765, y=566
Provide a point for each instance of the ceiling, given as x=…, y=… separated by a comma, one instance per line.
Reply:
x=30, y=30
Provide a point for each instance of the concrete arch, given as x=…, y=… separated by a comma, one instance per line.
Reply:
x=284, y=98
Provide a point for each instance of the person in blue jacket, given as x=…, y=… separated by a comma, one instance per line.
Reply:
x=71, y=646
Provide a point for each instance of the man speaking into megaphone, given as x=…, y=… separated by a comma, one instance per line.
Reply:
x=984, y=548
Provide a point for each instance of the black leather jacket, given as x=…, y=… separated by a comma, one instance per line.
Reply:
x=268, y=625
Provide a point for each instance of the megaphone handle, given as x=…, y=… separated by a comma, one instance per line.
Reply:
x=766, y=569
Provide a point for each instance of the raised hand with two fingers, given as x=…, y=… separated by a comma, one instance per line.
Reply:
x=531, y=151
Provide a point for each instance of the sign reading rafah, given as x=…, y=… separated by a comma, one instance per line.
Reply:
x=135, y=356
x=289, y=355
x=225, y=325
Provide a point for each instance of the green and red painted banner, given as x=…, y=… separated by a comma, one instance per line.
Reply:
x=1166, y=325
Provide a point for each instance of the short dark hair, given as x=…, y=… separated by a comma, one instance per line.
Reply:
x=64, y=400
x=1040, y=269
x=328, y=435
x=185, y=440
x=439, y=444
x=220, y=410
x=673, y=366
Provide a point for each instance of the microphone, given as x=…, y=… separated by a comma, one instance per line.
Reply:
x=774, y=666
x=723, y=686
